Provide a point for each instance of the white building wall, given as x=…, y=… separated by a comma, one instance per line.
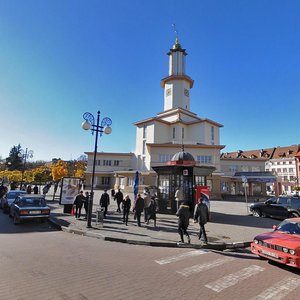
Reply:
x=196, y=133
x=176, y=98
x=124, y=162
x=161, y=133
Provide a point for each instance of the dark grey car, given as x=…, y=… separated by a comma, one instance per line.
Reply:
x=281, y=207
x=9, y=198
x=29, y=207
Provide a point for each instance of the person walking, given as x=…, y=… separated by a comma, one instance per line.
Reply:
x=126, y=204
x=138, y=208
x=119, y=199
x=178, y=197
x=29, y=189
x=35, y=190
x=104, y=202
x=147, y=203
x=112, y=194
x=201, y=215
x=78, y=204
x=151, y=211
x=86, y=203
x=183, y=214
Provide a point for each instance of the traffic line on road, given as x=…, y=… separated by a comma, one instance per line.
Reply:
x=203, y=267
x=279, y=290
x=179, y=257
x=232, y=279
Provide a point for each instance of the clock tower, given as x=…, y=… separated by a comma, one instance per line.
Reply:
x=177, y=85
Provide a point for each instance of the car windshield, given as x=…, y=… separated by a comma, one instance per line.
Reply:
x=13, y=195
x=32, y=202
x=291, y=227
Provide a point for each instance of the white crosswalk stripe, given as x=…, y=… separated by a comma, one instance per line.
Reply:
x=232, y=279
x=280, y=289
x=179, y=257
x=203, y=267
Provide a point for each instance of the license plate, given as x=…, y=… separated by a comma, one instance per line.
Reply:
x=268, y=253
x=34, y=212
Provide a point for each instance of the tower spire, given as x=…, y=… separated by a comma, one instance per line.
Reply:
x=177, y=84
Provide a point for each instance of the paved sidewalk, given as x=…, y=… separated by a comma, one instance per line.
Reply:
x=231, y=226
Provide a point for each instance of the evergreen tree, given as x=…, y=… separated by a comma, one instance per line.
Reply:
x=14, y=161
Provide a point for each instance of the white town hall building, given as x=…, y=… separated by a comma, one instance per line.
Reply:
x=160, y=137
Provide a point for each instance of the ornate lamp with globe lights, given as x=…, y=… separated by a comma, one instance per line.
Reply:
x=89, y=124
x=24, y=155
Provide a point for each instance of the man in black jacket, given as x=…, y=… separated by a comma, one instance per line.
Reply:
x=78, y=203
x=119, y=199
x=138, y=208
x=201, y=215
x=104, y=202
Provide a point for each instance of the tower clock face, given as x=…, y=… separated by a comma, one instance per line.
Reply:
x=186, y=92
x=168, y=92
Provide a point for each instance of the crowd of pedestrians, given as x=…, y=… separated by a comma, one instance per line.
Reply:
x=125, y=205
x=147, y=205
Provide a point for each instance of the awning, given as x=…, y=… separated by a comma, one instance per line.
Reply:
x=256, y=176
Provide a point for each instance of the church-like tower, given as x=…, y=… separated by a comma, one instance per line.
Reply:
x=177, y=85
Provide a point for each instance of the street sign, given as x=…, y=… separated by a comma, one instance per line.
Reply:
x=244, y=179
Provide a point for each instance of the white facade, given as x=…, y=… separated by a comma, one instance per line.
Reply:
x=286, y=171
x=160, y=137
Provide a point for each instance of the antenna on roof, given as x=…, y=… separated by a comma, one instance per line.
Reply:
x=175, y=30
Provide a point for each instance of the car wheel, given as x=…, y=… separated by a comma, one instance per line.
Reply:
x=256, y=213
x=293, y=215
x=16, y=219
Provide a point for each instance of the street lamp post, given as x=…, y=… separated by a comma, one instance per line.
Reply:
x=89, y=123
x=24, y=155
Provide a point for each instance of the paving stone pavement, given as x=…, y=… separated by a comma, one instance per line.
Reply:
x=231, y=226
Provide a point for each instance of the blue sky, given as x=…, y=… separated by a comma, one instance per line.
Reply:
x=61, y=58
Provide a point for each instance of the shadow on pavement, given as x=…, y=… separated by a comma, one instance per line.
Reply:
x=242, y=220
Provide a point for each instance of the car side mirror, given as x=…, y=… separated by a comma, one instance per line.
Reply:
x=274, y=227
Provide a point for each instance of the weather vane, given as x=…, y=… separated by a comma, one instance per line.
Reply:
x=175, y=30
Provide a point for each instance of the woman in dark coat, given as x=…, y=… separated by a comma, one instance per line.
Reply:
x=183, y=213
x=151, y=211
x=126, y=204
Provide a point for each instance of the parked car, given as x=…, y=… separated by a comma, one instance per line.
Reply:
x=281, y=245
x=29, y=207
x=8, y=199
x=277, y=207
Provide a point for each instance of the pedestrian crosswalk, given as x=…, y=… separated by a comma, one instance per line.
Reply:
x=232, y=279
x=179, y=257
x=279, y=289
x=205, y=266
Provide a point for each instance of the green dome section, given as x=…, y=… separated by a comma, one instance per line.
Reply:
x=183, y=156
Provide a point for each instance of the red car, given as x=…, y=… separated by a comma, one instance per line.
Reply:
x=281, y=245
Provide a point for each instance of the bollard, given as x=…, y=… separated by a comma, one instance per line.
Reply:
x=99, y=216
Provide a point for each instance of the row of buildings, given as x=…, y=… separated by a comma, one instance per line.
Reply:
x=177, y=129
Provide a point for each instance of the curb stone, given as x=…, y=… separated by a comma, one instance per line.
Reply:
x=215, y=246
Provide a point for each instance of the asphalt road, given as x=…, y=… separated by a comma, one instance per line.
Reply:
x=38, y=262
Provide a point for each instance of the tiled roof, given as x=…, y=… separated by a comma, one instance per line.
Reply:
x=268, y=153
x=286, y=152
x=252, y=154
